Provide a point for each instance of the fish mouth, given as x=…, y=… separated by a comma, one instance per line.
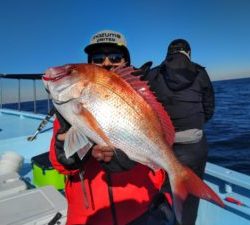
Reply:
x=54, y=74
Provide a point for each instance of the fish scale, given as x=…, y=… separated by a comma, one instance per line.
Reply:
x=121, y=130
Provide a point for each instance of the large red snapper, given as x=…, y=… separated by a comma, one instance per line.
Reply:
x=120, y=111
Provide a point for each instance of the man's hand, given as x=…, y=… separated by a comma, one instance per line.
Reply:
x=61, y=137
x=102, y=153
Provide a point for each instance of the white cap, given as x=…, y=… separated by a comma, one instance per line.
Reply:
x=108, y=36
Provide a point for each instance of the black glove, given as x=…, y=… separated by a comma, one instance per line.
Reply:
x=120, y=162
x=64, y=125
x=73, y=162
x=143, y=70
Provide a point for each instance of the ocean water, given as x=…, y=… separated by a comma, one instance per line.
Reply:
x=228, y=132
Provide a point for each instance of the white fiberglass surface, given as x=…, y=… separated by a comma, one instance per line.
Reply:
x=15, y=128
x=17, y=124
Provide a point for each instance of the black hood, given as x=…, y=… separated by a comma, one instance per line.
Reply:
x=178, y=71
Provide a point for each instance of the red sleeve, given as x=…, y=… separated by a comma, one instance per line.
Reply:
x=52, y=153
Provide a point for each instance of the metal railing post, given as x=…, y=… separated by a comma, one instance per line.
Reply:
x=34, y=94
x=1, y=93
x=19, y=95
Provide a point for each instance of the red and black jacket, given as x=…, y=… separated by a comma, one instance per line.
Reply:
x=131, y=190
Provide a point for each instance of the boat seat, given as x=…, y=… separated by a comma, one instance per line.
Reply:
x=38, y=206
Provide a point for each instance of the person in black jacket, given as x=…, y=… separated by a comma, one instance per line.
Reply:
x=186, y=92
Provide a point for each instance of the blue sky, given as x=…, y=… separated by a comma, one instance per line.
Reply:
x=37, y=34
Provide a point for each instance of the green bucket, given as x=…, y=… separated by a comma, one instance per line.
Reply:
x=44, y=174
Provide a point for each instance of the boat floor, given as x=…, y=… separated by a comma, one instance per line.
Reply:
x=16, y=126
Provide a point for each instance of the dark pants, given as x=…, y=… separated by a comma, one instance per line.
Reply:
x=159, y=213
x=194, y=156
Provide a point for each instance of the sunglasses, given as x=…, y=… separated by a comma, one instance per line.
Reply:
x=113, y=57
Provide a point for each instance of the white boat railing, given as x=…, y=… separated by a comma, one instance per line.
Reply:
x=19, y=77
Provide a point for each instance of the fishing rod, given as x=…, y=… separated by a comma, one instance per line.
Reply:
x=42, y=125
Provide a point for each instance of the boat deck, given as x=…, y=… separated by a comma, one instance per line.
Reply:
x=226, y=183
x=16, y=126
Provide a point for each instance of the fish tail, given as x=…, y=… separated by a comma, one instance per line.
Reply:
x=190, y=183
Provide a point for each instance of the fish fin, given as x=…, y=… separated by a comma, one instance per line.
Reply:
x=190, y=183
x=142, y=88
x=93, y=124
x=76, y=141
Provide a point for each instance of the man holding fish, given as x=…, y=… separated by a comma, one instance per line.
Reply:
x=104, y=186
